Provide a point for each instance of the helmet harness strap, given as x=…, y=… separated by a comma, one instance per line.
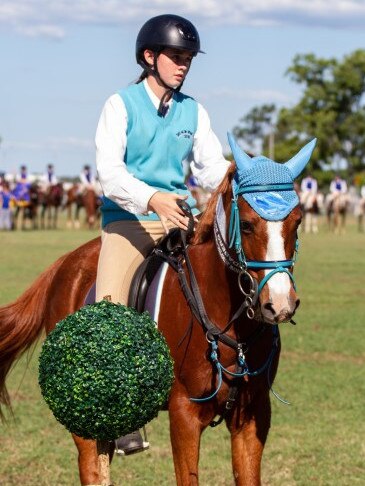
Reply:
x=169, y=91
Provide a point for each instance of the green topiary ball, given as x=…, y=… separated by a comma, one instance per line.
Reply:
x=105, y=371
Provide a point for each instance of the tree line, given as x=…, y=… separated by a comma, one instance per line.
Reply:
x=331, y=108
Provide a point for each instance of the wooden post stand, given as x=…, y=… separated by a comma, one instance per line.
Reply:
x=103, y=448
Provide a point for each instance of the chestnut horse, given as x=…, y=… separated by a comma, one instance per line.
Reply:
x=90, y=202
x=73, y=203
x=50, y=201
x=225, y=355
x=87, y=200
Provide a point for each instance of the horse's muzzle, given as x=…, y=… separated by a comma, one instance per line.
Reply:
x=278, y=310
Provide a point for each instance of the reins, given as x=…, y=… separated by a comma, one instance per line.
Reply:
x=214, y=335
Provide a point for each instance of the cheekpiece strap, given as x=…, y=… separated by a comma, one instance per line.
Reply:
x=235, y=232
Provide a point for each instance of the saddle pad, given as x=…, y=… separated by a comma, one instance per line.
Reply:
x=148, y=295
x=154, y=292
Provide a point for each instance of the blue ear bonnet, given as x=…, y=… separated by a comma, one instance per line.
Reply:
x=268, y=186
x=272, y=205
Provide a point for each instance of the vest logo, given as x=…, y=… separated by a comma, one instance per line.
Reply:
x=185, y=134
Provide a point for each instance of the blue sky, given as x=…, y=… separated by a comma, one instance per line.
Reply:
x=60, y=60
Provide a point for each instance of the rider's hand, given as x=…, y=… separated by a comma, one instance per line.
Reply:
x=164, y=205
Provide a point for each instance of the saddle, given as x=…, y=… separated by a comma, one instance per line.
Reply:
x=149, y=276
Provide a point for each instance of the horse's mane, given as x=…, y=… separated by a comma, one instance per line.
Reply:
x=204, y=228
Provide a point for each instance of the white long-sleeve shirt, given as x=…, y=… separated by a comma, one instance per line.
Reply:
x=45, y=179
x=342, y=186
x=85, y=182
x=309, y=185
x=207, y=162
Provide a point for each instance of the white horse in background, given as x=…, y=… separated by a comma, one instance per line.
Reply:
x=337, y=206
x=312, y=206
x=360, y=213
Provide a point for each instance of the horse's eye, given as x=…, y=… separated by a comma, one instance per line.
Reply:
x=246, y=227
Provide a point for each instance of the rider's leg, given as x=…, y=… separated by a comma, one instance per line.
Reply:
x=125, y=244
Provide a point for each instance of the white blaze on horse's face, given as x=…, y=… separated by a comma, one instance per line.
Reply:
x=281, y=303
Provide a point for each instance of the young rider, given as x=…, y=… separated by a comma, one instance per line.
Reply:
x=308, y=189
x=87, y=179
x=146, y=133
x=49, y=179
x=338, y=187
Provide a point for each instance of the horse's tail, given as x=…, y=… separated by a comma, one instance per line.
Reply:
x=52, y=296
x=21, y=324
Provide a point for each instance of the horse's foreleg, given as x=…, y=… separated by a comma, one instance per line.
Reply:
x=360, y=223
x=185, y=433
x=23, y=218
x=343, y=223
x=88, y=461
x=49, y=217
x=91, y=221
x=42, y=216
x=329, y=220
x=69, y=220
x=315, y=224
x=55, y=216
x=77, y=216
x=308, y=222
x=248, y=437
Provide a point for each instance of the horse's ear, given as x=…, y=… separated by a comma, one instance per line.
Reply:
x=297, y=163
x=243, y=161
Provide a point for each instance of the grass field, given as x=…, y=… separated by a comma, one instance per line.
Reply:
x=318, y=440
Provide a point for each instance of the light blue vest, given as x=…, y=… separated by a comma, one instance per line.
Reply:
x=156, y=147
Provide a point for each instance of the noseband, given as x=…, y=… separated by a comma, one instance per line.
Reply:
x=241, y=265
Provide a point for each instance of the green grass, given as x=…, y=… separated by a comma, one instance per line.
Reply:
x=319, y=439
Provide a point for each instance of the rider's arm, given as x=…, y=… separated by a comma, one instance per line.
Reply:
x=118, y=184
x=208, y=164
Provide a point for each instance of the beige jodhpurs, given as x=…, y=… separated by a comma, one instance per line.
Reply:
x=124, y=246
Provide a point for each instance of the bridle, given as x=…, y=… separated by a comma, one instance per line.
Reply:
x=241, y=265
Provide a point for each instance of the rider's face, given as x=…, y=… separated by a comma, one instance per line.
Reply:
x=173, y=65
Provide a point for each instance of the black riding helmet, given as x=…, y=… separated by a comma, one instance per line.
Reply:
x=161, y=32
x=166, y=31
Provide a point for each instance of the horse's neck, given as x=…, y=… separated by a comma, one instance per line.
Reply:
x=217, y=284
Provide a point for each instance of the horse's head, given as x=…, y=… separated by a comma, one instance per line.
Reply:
x=264, y=215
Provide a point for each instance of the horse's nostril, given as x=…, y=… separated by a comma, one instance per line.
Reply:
x=297, y=304
x=269, y=307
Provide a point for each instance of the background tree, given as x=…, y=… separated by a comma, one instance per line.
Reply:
x=256, y=127
x=331, y=108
